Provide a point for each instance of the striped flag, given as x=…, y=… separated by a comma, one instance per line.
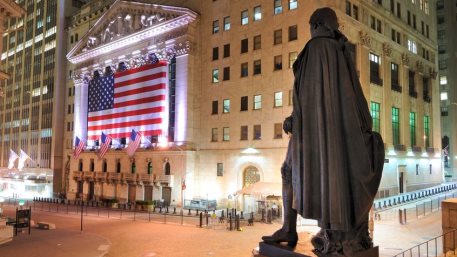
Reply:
x=135, y=139
x=22, y=158
x=135, y=98
x=79, y=146
x=12, y=159
x=105, y=140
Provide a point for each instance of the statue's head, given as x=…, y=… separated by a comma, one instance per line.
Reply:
x=323, y=19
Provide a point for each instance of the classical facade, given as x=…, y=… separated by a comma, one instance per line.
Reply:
x=231, y=63
x=447, y=60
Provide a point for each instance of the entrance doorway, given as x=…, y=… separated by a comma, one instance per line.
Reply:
x=132, y=193
x=90, y=197
x=166, y=195
x=80, y=190
x=251, y=175
x=148, y=193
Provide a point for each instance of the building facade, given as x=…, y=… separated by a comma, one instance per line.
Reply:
x=31, y=108
x=230, y=90
x=446, y=22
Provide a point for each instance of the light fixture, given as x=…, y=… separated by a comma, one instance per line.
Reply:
x=250, y=150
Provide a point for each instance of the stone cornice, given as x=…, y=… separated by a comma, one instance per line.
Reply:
x=125, y=24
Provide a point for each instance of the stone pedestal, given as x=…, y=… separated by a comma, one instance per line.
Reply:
x=270, y=250
x=449, y=223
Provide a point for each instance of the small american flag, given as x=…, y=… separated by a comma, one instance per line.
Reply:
x=135, y=140
x=131, y=99
x=106, y=140
x=79, y=146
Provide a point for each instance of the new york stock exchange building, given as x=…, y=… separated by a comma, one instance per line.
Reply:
x=202, y=89
x=138, y=68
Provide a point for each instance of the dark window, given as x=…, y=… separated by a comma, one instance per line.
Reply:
x=226, y=50
x=244, y=103
x=257, y=132
x=422, y=27
x=257, y=42
x=220, y=169
x=215, y=107
x=355, y=12
x=277, y=37
x=399, y=10
x=414, y=21
x=226, y=73
x=244, y=45
x=394, y=77
x=392, y=6
x=244, y=133
x=80, y=165
x=92, y=165
x=375, y=62
x=426, y=86
x=104, y=166
x=257, y=67
x=244, y=69
x=427, y=30
x=293, y=34
x=409, y=17
x=118, y=166
x=440, y=19
x=215, y=53
x=149, y=168
x=133, y=168
x=412, y=84
x=348, y=8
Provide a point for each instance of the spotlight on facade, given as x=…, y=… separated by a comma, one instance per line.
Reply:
x=250, y=150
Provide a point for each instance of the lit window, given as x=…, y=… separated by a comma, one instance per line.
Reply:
x=257, y=102
x=375, y=114
x=444, y=96
x=443, y=80
x=257, y=13
x=292, y=58
x=226, y=106
x=278, y=7
x=278, y=99
x=215, y=76
x=278, y=131
x=412, y=46
x=293, y=4
x=227, y=23
x=244, y=17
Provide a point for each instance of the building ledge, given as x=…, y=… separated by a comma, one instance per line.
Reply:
x=11, y=9
x=4, y=75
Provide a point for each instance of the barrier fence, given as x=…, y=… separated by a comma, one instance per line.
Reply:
x=440, y=246
x=415, y=210
x=230, y=219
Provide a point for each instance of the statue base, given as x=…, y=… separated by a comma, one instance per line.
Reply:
x=274, y=250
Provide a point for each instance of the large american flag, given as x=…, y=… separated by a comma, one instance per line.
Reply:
x=79, y=146
x=135, y=140
x=105, y=140
x=136, y=98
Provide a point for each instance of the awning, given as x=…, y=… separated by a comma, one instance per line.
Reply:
x=262, y=188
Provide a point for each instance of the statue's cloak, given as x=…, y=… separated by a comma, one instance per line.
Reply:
x=336, y=159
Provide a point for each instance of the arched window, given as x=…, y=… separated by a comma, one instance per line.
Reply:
x=251, y=175
x=149, y=168
x=118, y=166
x=133, y=167
x=80, y=165
x=104, y=166
x=92, y=165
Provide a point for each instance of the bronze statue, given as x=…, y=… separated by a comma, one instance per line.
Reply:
x=334, y=160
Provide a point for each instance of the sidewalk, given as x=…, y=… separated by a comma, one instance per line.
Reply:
x=55, y=243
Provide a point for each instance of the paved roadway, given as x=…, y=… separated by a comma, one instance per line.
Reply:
x=126, y=238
